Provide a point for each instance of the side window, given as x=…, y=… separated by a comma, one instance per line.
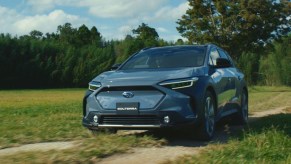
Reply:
x=213, y=56
x=224, y=55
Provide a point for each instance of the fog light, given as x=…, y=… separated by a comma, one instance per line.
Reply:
x=166, y=119
x=95, y=118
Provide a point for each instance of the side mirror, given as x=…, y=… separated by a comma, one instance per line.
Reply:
x=115, y=66
x=222, y=63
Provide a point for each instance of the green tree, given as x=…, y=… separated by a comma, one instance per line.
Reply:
x=147, y=34
x=83, y=36
x=275, y=67
x=36, y=34
x=179, y=42
x=95, y=36
x=249, y=64
x=236, y=25
x=67, y=34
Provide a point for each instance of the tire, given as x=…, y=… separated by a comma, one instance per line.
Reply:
x=207, y=126
x=103, y=131
x=241, y=117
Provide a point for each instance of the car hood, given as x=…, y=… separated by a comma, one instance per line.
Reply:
x=146, y=76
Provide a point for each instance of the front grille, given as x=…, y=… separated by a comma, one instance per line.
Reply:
x=148, y=97
x=130, y=120
x=128, y=88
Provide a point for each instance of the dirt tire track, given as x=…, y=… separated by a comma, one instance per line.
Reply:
x=176, y=148
x=45, y=146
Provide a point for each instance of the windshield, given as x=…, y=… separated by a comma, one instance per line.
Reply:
x=168, y=57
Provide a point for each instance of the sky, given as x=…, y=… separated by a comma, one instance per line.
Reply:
x=114, y=19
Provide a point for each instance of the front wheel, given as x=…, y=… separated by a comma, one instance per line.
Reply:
x=207, y=127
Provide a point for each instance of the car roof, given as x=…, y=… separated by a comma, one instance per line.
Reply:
x=178, y=46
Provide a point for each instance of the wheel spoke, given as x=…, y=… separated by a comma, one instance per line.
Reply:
x=245, y=107
x=209, y=116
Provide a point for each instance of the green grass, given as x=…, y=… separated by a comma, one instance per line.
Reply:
x=263, y=98
x=264, y=141
x=29, y=116
x=270, y=146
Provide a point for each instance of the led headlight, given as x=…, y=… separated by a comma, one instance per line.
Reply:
x=180, y=83
x=94, y=85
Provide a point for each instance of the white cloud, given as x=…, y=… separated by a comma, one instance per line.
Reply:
x=40, y=6
x=125, y=29
x=45, y=23
x=172, y=37
x=171, y=13
x=7, y=20
x=103, y=8
x=121, y=16
x=18, y=24
x=121, y=8
x=162, y=30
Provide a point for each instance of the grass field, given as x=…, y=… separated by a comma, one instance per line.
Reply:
x=31, y=116
x=263, y=98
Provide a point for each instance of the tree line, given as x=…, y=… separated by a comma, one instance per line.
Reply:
x=254, y=32
x=71, y=57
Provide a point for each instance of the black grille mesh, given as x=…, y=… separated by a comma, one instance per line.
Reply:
x=130, y=120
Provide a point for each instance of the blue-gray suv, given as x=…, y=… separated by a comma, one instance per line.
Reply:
x=191, y=87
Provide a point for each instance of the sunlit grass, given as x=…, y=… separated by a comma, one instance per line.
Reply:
x=264, y=98
x=29, y=116
x=270, y=146
x=18, y=99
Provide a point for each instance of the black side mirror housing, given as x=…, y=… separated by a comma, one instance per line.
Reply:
x=115, y=66
x=222, y=63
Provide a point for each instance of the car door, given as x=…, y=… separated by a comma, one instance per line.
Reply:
x=224, y=81
x=220, y=76
x=232, y=82
x=238, y=76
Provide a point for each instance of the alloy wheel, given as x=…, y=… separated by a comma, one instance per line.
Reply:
x=244, y=107
x=209, y=116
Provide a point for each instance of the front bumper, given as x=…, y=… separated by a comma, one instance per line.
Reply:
x=179, y=107
x=141, y=121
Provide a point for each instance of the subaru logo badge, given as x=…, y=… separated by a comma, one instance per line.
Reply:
x=127, y=94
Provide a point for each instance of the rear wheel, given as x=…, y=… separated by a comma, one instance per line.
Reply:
x=207, y=127
x=242, y=115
